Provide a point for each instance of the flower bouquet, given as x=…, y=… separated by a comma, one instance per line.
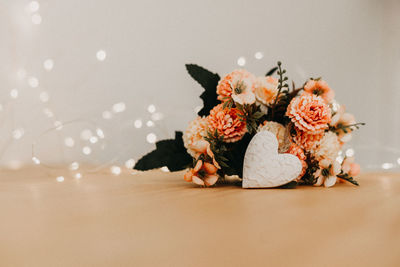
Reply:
x=245, y=118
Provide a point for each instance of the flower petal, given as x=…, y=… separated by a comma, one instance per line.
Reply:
x=335, y=119
x=336, y=168
x=198, y=166
x=216, y=164
x=330, y=181
x=354, y=169
x=324, y=163
x=197, y=180
x=188, y=176
x=200, y=146
x=320, y=180
x=346, y=138
x=210, y=169
x=209, y=151
x=211, y=180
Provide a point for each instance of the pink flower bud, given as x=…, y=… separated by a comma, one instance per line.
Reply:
x=354, y=169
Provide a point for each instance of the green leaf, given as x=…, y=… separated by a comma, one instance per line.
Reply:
x=254, y=125
x=209, y=82
x=222, y=158
x=170, y=153
x=348, y=178
x=248, y=128
x=223, y=164
x=271, y=71
x=235, y=155
x=258, y=115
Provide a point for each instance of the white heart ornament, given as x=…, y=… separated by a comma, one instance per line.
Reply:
x=263, y=167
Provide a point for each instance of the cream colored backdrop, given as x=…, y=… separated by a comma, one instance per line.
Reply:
x=95, y=64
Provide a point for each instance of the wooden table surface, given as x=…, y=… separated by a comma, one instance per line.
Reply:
x=157, y=219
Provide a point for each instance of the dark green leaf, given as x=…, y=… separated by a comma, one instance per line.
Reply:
x=222, y=158
x=223, y=164
x=325, y=172
x=258, y=115
x=248, y=128
x=170, y=153
x=209, y=82
x=348, y=179
x=235, y=156
x=271, y=71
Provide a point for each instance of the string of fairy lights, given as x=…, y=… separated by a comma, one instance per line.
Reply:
x=92, y=136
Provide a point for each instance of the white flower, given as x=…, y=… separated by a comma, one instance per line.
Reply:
x=194, y=133
x=336, y=168
x=327, y=148
x=330, y=170
x=324, y=163
x=281, y=133
x=346, y=137
x=242, y=91
x=330, y=181
x=342, y=118
x=320, y=178
x=266, y=90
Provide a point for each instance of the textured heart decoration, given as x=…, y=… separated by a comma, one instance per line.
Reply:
x=263, y=167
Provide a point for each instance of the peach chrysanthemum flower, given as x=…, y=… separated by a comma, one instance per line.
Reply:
x=227, y=123
x=306, y=140
x=309, y=113
x=266, y=90
x=202, y=174
x=299, y=153
x=238, y=85
x=194, y=133
x=320, y=88
x=327, y=148
x=280, y=131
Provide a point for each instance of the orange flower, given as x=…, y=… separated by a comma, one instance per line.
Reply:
x=227, y=123
x=194, y=133
x=309, y=113
x=307, y=141
x=298, y=152
x=320, y=88
x=202, y=174
x=238, y=85
x=203, y=147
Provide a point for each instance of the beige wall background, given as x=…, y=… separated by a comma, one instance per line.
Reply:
x=354, y=45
